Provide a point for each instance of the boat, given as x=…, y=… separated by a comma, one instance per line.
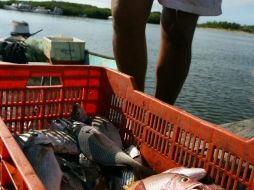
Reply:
x=61, y=50
x=90, y=58
x=12, y=7
x=41, y=10
x=65, y=51
x=24, y=7
x=57, y=11
x=95, y=59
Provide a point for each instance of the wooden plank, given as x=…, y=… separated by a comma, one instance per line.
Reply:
x=244, y=128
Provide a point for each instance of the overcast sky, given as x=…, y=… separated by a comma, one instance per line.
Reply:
x=240, y=11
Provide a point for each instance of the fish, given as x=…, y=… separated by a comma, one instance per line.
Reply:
x=107, y=128
x=71, y=182
x=167, y=181
x=78, y=113
x=44, y=163
x=85, y=162
x=62, y=141
x=193, y=173
x=60, y=125
x=98, y=147
x=214, y=187
x=99, y=122
x=87, y=174
x=133, y=151
x=120, y=177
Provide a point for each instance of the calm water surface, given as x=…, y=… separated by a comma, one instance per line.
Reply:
x=220, y=85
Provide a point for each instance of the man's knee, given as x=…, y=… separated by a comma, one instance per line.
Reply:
x=127, y=26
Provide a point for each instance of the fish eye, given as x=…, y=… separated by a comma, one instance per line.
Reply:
x=185, y=179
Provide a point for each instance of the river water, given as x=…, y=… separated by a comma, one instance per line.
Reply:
x=220, y=84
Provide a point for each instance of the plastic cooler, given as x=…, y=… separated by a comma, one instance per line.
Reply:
x=166, y=135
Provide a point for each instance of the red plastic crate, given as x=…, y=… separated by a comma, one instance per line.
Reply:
x=167, y=136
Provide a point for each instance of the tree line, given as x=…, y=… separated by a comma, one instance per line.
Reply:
x=228, y=26
x=69, y=9
x=74, y=9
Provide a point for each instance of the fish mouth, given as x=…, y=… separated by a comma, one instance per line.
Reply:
x=198, y=187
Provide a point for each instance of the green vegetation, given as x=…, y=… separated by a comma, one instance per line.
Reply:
x=154, y=18
x=69, y=9
x=74, y=9
x=228, y=26
x=2, y=4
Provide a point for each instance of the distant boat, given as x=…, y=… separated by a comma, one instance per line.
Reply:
x=12, y=7
x=57, y=11
x=41, y=10
x=24, y=6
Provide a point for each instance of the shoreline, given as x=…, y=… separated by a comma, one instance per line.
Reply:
x=225, y=30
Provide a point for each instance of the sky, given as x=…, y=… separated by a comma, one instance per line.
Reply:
x=240, y=11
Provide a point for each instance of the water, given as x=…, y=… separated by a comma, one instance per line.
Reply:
x=220, y=85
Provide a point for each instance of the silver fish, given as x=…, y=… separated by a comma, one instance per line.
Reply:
x=78, y=113
x=98, y=147
x=167, y=181
x=107, y=128
x=120, y=177
x=44, y=162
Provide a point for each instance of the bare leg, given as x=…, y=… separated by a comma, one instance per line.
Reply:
x=129, y=42
x=177, y=29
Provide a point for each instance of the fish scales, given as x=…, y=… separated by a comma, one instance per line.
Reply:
x=122, y=177
x=62, y=141
x=107, y=128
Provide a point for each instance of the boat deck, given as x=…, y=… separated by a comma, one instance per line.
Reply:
x=244, y=128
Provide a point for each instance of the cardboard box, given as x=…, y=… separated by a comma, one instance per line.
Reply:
x=64, y=50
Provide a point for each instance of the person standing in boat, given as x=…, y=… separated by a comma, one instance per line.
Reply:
x=178, y=23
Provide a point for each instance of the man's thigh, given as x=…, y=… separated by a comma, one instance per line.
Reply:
x=178, y=26
x=131, y=13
